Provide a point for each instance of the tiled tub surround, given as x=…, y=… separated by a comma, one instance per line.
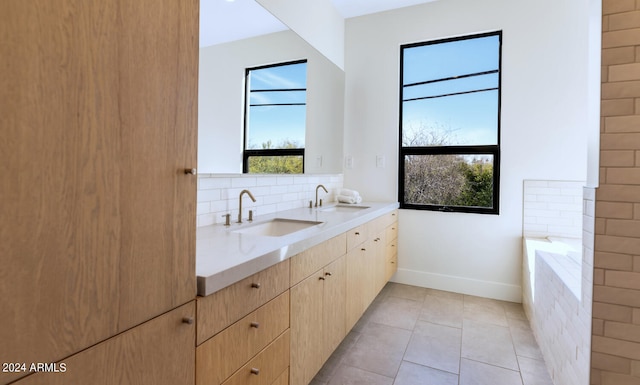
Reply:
x=557, y=297
x=552, y=208
x=225, y=256
x=218, y=193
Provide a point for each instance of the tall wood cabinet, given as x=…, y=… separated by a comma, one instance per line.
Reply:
x=98, y=109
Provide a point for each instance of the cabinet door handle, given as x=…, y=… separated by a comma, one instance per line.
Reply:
x=187, y=320
x=190, y=171
x=255, y=371
x=363, y=249
x=328, y=273
x=255, y=324
x=321, y=278
x=357, y=233
x=255, y=285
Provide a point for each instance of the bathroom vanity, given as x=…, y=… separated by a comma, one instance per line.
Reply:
x=272, y=308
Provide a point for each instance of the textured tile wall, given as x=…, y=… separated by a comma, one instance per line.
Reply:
x=552, y=208
x=615, y=356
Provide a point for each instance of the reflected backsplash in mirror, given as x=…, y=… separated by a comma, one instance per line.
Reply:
x=221, y=98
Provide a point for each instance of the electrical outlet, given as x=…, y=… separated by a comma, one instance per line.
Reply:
x=348, y=162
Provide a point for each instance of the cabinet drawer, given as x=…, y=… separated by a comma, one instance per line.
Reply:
x=356, y=236
x=220, y=356
x=222, y=308
x=266, y=367
x=313, y=259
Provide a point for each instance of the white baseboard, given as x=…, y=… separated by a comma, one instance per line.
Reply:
x=487, y=289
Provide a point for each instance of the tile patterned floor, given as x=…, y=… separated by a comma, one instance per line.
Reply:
x=417, y=336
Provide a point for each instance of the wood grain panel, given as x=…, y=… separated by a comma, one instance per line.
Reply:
x=313, y=259
x=334, y=306
x=270, y=363
x=306, y=329
x=98, y=109
x=283, y=379
x=158, y=352
x=357, y=236
x=222, y=308
x=227, y=351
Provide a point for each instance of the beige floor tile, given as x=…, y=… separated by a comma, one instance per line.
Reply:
x=478, y=373
x=414, y=293
x=432, y=328
x=534, y=372
x=436, y=346
x=414, y=374
x=442, y=311
x=397, y=312
x=383, y=362
x=525, y=343
x=382, y=337
x=485, y=310
x=348, y=375
x=488, y=343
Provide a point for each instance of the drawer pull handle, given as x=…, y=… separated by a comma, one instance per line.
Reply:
x=255, y=285
x=321, y=278
x=392, y=262
x=363, y=249
x=255, y=325
x=357, y=233
x=187, y=320
x=328, y=273
x=255, y=371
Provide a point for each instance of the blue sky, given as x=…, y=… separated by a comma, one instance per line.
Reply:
x=473, y=118
x=276, y=123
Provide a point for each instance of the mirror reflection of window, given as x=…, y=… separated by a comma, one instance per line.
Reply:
x=275, y=118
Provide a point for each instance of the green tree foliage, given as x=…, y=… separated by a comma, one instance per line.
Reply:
x=276, y=164
x=447, y=180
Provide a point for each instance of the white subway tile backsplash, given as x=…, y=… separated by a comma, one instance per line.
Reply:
x=558, y=205
x=218, y=194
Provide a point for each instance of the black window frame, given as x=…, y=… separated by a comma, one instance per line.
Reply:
x=247, y=153
x=493, y=150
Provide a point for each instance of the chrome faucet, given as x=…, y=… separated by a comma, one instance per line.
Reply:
x=240, y=203
x=325, y=190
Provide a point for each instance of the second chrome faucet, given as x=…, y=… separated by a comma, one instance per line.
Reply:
x=240, y=203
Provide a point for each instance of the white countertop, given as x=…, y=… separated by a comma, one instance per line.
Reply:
x=224, y=256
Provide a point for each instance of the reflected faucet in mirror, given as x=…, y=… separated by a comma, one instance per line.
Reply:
x=325, y=190
x=240, y=203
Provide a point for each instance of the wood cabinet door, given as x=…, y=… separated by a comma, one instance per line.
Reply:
x=334, y=306
x=99, y=122
x=158, y=352
x=306, y=329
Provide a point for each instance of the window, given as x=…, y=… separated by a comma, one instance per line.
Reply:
x=275, y=119
x=449, y=157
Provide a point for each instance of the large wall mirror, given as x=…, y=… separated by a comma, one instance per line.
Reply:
x=221, y=92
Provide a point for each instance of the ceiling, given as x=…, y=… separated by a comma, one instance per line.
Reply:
x=223, y=21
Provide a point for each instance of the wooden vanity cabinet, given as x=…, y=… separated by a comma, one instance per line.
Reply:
x=99, y=124
x=318, y=310
x=243, y=330
x=159, y=351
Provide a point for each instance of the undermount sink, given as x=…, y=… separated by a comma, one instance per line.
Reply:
x=277, y=227
x=344, y=208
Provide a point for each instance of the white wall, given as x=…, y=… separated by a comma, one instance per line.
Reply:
x=544, y=120
x=316, y=21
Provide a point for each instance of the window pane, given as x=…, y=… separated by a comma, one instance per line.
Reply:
x=449, y=180
x=276, y=127
x=468, y=119
x=446, y=59
x=276, y=164
x=285, y=76
x=450, y=93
